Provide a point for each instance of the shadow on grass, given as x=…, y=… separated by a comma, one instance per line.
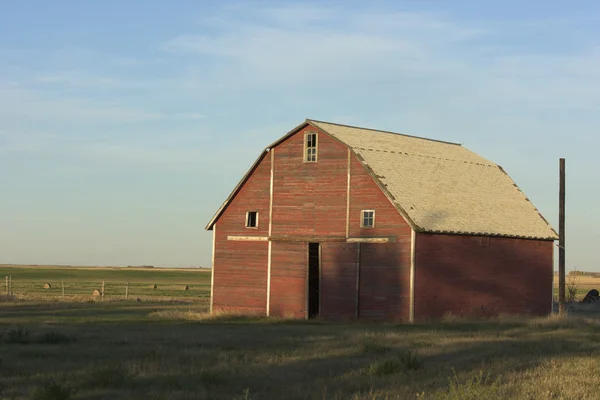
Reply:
x=97, y=312
x=177, y=353
x=296, y=360
x=342, y=373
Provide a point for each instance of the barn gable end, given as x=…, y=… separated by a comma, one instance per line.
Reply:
x=322, y=203
x=246, y=259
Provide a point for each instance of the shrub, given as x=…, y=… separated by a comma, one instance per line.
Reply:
x=383, y=368
x=52, y=391
x=478, y=386
x=405, y=362
x=19, y=335
x=106, y=377
x=411, y=361
x=211, y=378
x=572, y=285
x=375, y=347
x=55, y=338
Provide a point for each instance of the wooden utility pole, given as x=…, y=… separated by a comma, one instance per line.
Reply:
x=561, y=240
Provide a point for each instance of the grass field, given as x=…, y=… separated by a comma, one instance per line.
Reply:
x=28, y=282
x=583, y=285
x=79, y=282
x=131, y=350
x=117, y=349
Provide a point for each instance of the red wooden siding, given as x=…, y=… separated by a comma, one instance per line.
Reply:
x=338, y=280
x=385, y=267
x=240, y=267
x=240, y=282
x=253, y=196
x=289, y=262
x=384, y=284
x=310, y=198
x=463, y=275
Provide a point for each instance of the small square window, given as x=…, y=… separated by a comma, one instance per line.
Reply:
x=367, y=219
x=310, y=147
x=252, y=219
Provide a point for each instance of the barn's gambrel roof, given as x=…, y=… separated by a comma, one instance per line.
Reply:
x=439, y=187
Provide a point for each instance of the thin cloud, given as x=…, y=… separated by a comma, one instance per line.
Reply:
x=136, y=153
x=329, y=48
x=32, y=104
x=183, y=157
x=135, y=62
x=79, y=79
x=333, y=33
x=25, y=142
x=190, y=116
x=24, y=103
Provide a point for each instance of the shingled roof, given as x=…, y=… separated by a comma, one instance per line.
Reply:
x=439, y=187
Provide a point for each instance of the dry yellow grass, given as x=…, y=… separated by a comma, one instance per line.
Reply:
x=130, y=350
x=176, y=350
x=583, y=284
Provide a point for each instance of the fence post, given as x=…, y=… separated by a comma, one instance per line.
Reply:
x=63, y=288
x=6, y=285
x=102, y=289
x=10, y=292
x=126, y=290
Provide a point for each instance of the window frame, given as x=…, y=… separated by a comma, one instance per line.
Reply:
x=248, y=219
x=362, y=219
x=316, y=147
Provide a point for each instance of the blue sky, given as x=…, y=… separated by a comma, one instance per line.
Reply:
x=125, y=124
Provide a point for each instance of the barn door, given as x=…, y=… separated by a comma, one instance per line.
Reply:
x=288, y=280
x=314, y=281
x=339, y=280
x=383, y=285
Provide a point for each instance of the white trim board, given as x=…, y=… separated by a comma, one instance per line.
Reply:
x=411, y=310
x=249, y=238
x=212, y=272
x=368, y=240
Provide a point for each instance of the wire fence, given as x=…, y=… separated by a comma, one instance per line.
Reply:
x=69, y=290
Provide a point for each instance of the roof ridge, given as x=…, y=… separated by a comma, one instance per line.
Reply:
x=382, y=131
x=489, y=164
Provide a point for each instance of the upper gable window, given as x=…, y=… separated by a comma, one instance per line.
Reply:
x=310, y=147
x=252, y=219
x=367, y=219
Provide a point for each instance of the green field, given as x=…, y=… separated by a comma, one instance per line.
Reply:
x=28, y=282
x=79, y=282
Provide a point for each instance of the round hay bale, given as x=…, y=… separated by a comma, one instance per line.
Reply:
x=47, y=286
x=138, y=299
x=96, y=292
x=187, y=287
x=155, y=286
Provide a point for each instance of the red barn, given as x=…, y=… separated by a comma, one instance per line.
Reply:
x=344, y=222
